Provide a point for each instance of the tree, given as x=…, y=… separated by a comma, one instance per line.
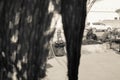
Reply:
x=24, y=37
x=90, y=3
x=73, y=17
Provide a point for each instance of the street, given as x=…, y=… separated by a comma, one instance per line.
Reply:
x=98, y=62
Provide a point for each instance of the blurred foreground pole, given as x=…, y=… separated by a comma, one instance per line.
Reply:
x=73, y=17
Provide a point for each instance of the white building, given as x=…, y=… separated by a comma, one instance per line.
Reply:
x=96, y=16
x=118, y=12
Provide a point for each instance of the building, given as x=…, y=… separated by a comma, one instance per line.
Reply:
x=96, y=16
x=118, y=12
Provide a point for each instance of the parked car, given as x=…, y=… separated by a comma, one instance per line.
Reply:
x=97, y=26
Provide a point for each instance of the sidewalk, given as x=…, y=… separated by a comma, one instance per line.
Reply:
x=97, y=63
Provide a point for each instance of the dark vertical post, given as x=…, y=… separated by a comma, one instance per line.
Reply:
x=73, y=18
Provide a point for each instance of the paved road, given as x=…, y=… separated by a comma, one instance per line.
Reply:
x=98, y=62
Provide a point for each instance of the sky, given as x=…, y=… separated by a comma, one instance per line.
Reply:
x=106, y=5
x=103, y=10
